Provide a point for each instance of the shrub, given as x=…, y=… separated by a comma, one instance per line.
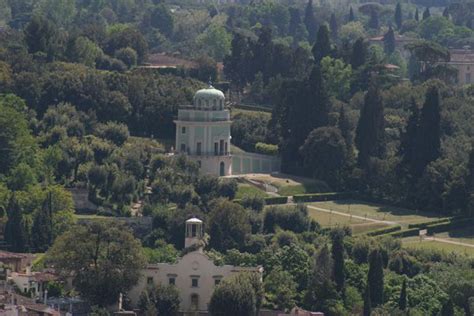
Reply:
x=384, y=231
x=425, y=224
x=315, y=197
x=405, y=233
x=276, y=200
x=266, y=149
x=295, y=219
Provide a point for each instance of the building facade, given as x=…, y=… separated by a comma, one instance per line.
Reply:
x=195, y=274
x=463, y=61
x=203, y=134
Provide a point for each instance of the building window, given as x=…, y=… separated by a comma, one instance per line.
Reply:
x=221, y=146
x=172, y=281
x=149, y=280
x=198, y=148
x=199, y=103
x=193, y=230
x=215, y=103
x=194, y=281
x=468, y=78
x=183, y=130
x=183, y=148
x=216, y=148
x=217, y=282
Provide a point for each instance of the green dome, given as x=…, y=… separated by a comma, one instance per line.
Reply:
x=209, y=98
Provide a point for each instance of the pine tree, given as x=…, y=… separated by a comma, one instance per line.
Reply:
x=367, y=303
x=447, y=309
x=310, y=21
x=398, y=16
x=402, y=301
x=426, y=13
x=389, y=41
x=351, y=15
x=417, y=15
x=359, y=53
x=338, y=258
x=428, y=141
x=41, y=231
x=374, y=20
x=322, y=46
x=15, y=233
x=370, y=132
x=333, y=25
x=375, y=277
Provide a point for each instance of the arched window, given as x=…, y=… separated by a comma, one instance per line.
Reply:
x=222, y=104
x=215, y=104
x=222, y=169
x=194, y=302
x=199, y=102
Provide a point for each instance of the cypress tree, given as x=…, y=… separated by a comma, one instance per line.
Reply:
x=446, y=13
x=359, y=53
x=367, y=303
x=428, y=141
x=426, y=13
x=15, y=233
x=375, y=277
x=319, y=105
x=370, y=132
x=296, y=25
x=41, y=231
x=338, y=258
x=447, y=309
x=310, y=21
x=407, y=149
x=351, y=15
x=333, y=26
x=374, y=20
x=344, y=126
x=389, y=41
x=398, y=16
x=402, y=301
x=417, y=15
x=322, y=46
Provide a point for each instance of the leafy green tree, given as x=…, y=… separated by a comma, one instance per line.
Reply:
x=398, y=16
x=402, y=301
x=337, y=76
x=216, y=41
x=161, y=299
x=310, y=21
x=15, y=230
x=128, y=56
x=162, y=19
x=295, y=219
x=234, y=296
x=85, y=51
x=117, y=133
x=280, y=289
x=42, y=229
x=375, y=278
x=370, y=132
x=325, y=154
x=60, y=12
x=103, y=260
x=448, y=309
x=123, y=36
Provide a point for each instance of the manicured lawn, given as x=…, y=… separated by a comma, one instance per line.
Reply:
x=465, y=235
x=236, y=111
x=377, y=211
x=290, y=185
x=91, y=216
x=245, y=189
x=414, y=242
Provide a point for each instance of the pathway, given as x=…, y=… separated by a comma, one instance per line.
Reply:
x=449, y=241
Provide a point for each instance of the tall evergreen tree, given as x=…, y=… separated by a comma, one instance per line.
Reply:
x=351, y=17
x=322, y=46
x=345, y=127
x=398, y=16
x=319, y=105
x=402, y=301
x=333, y=25
x=370, y=132
x=374, y=19
x=446, y=12
x=296, y=27
x=367, y=303
x=375, y=277
x=338, y=258
x=426, y=13
x=389, y=41
x=15, y=233
x=408, y=140
x=417, y=15
x=42, y=231
x=310, y=21
x=359, y=53
x=447, y=309
x=428, y=141
x=236, y=64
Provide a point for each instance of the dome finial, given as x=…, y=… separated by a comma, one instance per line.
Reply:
x=210, y=83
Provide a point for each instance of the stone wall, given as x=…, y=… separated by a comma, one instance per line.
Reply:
x=244, y=163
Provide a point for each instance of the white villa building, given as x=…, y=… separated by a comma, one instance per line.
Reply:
x=203, y=133
x=195, y=275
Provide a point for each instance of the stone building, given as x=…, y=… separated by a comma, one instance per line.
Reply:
x=463, y=61
x=195, y=274
x=203, y=133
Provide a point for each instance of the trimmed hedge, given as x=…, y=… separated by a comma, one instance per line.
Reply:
x=316, y=197
x=426, y=224
x=455, y=223
x=383, y=231
x=266, y=149
x=405, y=233
x=276, y=200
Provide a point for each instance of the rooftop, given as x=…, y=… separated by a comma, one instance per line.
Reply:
x=462, y=55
